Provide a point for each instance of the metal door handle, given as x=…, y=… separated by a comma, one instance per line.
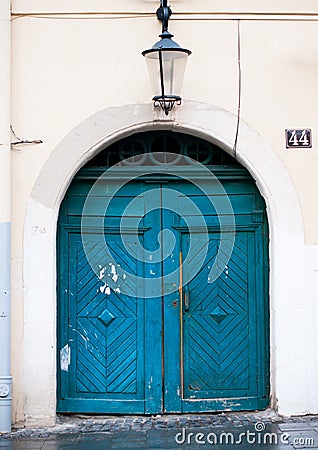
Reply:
x=186, y=298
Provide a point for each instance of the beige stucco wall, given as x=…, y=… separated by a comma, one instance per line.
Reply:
x=68, y=66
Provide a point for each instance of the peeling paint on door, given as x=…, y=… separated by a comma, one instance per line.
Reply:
x=105, y=289
x=114, y=274
x=65, y=357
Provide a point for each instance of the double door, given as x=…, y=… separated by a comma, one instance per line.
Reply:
x=145, y=325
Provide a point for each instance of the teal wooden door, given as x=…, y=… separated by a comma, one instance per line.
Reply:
x=222, y=332
x=110, y=341
x=215, y=333
x=142, y=329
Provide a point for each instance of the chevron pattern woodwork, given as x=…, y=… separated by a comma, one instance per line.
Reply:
x=106, y=328
x=217, y=326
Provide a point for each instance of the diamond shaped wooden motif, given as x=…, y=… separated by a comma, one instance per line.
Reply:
x=218, y=314
x=106, y=317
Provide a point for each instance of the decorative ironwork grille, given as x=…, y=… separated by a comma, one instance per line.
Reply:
x=163, y=141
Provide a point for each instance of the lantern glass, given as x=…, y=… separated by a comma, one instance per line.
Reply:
x=166, y=70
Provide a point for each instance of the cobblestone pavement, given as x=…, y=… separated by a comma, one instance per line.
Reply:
x=218, y=431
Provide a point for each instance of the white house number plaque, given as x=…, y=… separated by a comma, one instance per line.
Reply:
x=298, y=138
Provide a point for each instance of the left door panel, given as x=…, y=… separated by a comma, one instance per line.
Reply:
x=103, y=342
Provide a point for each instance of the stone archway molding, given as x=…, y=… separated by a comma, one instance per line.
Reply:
x=289, y=389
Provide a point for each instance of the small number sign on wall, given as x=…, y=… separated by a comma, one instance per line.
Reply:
x=298, y=138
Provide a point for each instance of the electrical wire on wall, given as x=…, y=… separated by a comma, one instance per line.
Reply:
x=239, y=87
x=20, y=141
x=83, y=15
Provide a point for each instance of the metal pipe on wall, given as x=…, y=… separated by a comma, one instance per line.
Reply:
x=5, y=216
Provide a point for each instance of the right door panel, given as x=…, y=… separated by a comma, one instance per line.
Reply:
x=224, y=329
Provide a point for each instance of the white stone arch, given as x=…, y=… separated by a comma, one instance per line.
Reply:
x=289, y=388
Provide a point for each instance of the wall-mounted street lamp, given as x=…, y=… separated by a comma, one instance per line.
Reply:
x=166, y=62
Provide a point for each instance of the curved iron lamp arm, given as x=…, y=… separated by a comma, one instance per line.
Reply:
x=163, y=14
